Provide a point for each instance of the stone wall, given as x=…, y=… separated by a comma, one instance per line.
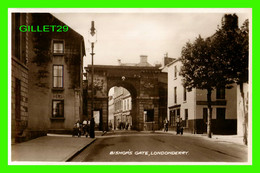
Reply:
x=19, y=79
x=19, y=119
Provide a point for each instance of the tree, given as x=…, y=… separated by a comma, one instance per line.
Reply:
x=230, y=43
x=202, y=71
x=218, y=61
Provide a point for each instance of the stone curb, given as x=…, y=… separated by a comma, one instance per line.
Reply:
x=69, y=158
x=74, y=154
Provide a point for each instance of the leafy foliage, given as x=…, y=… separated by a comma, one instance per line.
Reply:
x=230, y=49
x=217, y=61
x=41, y=40
x=200, y=69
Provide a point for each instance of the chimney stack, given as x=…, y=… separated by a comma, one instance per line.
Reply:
x=119, y=61
x=143, y=58
x=230, y=21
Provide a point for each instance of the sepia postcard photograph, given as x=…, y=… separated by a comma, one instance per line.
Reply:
x=130, y=86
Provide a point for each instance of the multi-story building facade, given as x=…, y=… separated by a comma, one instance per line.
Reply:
x=127, y=107
x=191, y=107
x=51, y=66
x=122, y=107
x=111, y=111
x=19, y=78
x=55, y=96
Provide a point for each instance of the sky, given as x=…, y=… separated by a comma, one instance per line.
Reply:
x=128, y=33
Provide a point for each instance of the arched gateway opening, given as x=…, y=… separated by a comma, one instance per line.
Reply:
x=146, y=85
x=120, y=109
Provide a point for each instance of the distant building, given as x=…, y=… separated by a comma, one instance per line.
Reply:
x=49, y=77
x=111, y=110
x=122, y=107
x=191, y=107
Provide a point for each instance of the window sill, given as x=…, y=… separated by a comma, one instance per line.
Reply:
x=58, y=54
x=57, y=118
x=57, y=89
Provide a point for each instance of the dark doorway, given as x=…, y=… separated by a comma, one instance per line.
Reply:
x=221, y=114
x=205, y=120
x=149, y=115
x=148, y=120
x=220, y=120
x=172, y=118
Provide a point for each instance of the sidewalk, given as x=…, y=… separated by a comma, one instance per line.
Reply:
x=50, y=148
x=216, y=138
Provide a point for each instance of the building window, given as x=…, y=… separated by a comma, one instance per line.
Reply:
x=58, y=76
x=58, y=47
x=184, y=94
x=186, y=118
x=175, y=72
x=149, y=115
x=220, y=93
x=19, y=38
x=17, y=34
x=175, y=94
x=57, y=108
x=178, y=113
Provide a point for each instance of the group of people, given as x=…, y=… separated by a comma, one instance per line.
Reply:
x=123, y=125
x=179, y=127
x=81, y=128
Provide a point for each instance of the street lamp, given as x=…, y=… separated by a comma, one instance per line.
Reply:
x=92, y=40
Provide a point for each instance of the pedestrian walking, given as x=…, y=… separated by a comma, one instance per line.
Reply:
x=166, y=123
x=110, y=125
x=179, y=127
x=77, y=129
x=85, y=128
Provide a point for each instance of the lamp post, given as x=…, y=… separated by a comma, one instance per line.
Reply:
x=92, y=40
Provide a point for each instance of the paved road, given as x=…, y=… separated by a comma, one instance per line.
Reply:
x=158, y=147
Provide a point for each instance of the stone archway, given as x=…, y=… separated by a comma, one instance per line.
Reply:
x=132, y=90
x=145, y=85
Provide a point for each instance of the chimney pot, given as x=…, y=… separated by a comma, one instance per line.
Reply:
x=119, y=61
